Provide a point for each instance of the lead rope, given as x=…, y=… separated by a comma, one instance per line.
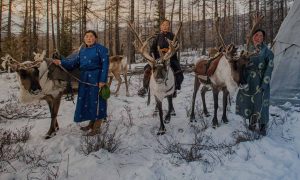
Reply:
x=95, y=85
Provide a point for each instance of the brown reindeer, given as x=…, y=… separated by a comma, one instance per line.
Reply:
x=118, y=66
x=35, y=85
x=222, y=73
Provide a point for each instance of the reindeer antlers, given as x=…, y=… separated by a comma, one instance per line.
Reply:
x=14, y=64
x=218, y=32
x=142, y=50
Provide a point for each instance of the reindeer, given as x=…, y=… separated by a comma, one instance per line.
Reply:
x=162, y=81
x=35, y=85
x=221, y=73
x=118, y=66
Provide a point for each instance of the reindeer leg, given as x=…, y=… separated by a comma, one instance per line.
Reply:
x=110, y=80
x=215, y=118
x=225, y=99
x=162, y=129
x=170, y=110
x=204, y=89
x=119, y=79
x=126, y=82
x=51, y=131
x=56, y=106
x=196, y=87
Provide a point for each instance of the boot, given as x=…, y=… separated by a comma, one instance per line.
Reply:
x=88, y=127
x=263, y=130
x=146, y=80
x=96, y=128
x=252, y=123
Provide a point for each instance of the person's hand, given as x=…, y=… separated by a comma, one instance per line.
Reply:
x=101, y=84
x=56, y=62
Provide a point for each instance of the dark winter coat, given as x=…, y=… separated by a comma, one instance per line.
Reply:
x=161, y=41
x=93, y=63
x=254, y=99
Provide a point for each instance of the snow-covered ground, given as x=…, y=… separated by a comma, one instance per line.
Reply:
x=140, y=155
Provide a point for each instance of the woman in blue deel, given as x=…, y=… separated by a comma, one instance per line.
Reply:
x=93, y=62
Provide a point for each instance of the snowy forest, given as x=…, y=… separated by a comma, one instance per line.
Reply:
x=32, y=25
x=191, y=132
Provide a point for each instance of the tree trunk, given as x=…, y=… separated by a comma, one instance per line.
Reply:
x=1, y=3
x=80, y=21
x=47, y=29
x=217, y=40
x=58, y=24
x=105, y=22
x=181, y=32
x=161, y=10
x=34, y=27
x=52, y=26
x=9, y=19
x=250, y=14
x=117, y=35
x=110, y=39
x=84, y=20
x=204, y=27
x=271, y=21
x=71, y=24
x=131, y=50
x=172, y=14
x=257, y=6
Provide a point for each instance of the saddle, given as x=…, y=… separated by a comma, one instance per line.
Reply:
x=57, y=73
x=206, y=68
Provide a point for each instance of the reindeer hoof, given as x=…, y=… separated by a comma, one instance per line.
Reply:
x=48, y=136
x=193, y=120
x=161, y=132
x=56, y=128
x=167, y=119
x=206, y=114
x=127, y=94
x=173, y=113
x=225, y=120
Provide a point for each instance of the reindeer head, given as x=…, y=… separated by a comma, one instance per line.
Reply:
x=28, y=72
x=160, y=66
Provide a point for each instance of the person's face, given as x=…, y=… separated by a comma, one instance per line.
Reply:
x=165, y=26
x=89, y=39
x=258, y=38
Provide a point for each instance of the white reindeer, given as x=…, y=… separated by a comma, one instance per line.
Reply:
x=162, y=81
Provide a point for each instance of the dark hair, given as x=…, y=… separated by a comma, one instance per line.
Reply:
x=259, y=30
x=164, y=20
x=91, y=31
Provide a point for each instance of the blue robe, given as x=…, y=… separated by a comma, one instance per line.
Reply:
x=254, y=99
x=93, y=63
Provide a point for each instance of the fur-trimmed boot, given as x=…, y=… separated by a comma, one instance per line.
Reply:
x=88, y=127
x=96, y=128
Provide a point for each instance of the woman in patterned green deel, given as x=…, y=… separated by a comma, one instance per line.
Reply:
x=253, y=101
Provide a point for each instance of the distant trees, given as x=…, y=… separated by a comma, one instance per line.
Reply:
x=32, y=25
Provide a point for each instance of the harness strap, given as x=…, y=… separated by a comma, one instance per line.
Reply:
x=89, y=84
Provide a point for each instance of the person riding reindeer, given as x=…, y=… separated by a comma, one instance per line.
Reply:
x=161, y=42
